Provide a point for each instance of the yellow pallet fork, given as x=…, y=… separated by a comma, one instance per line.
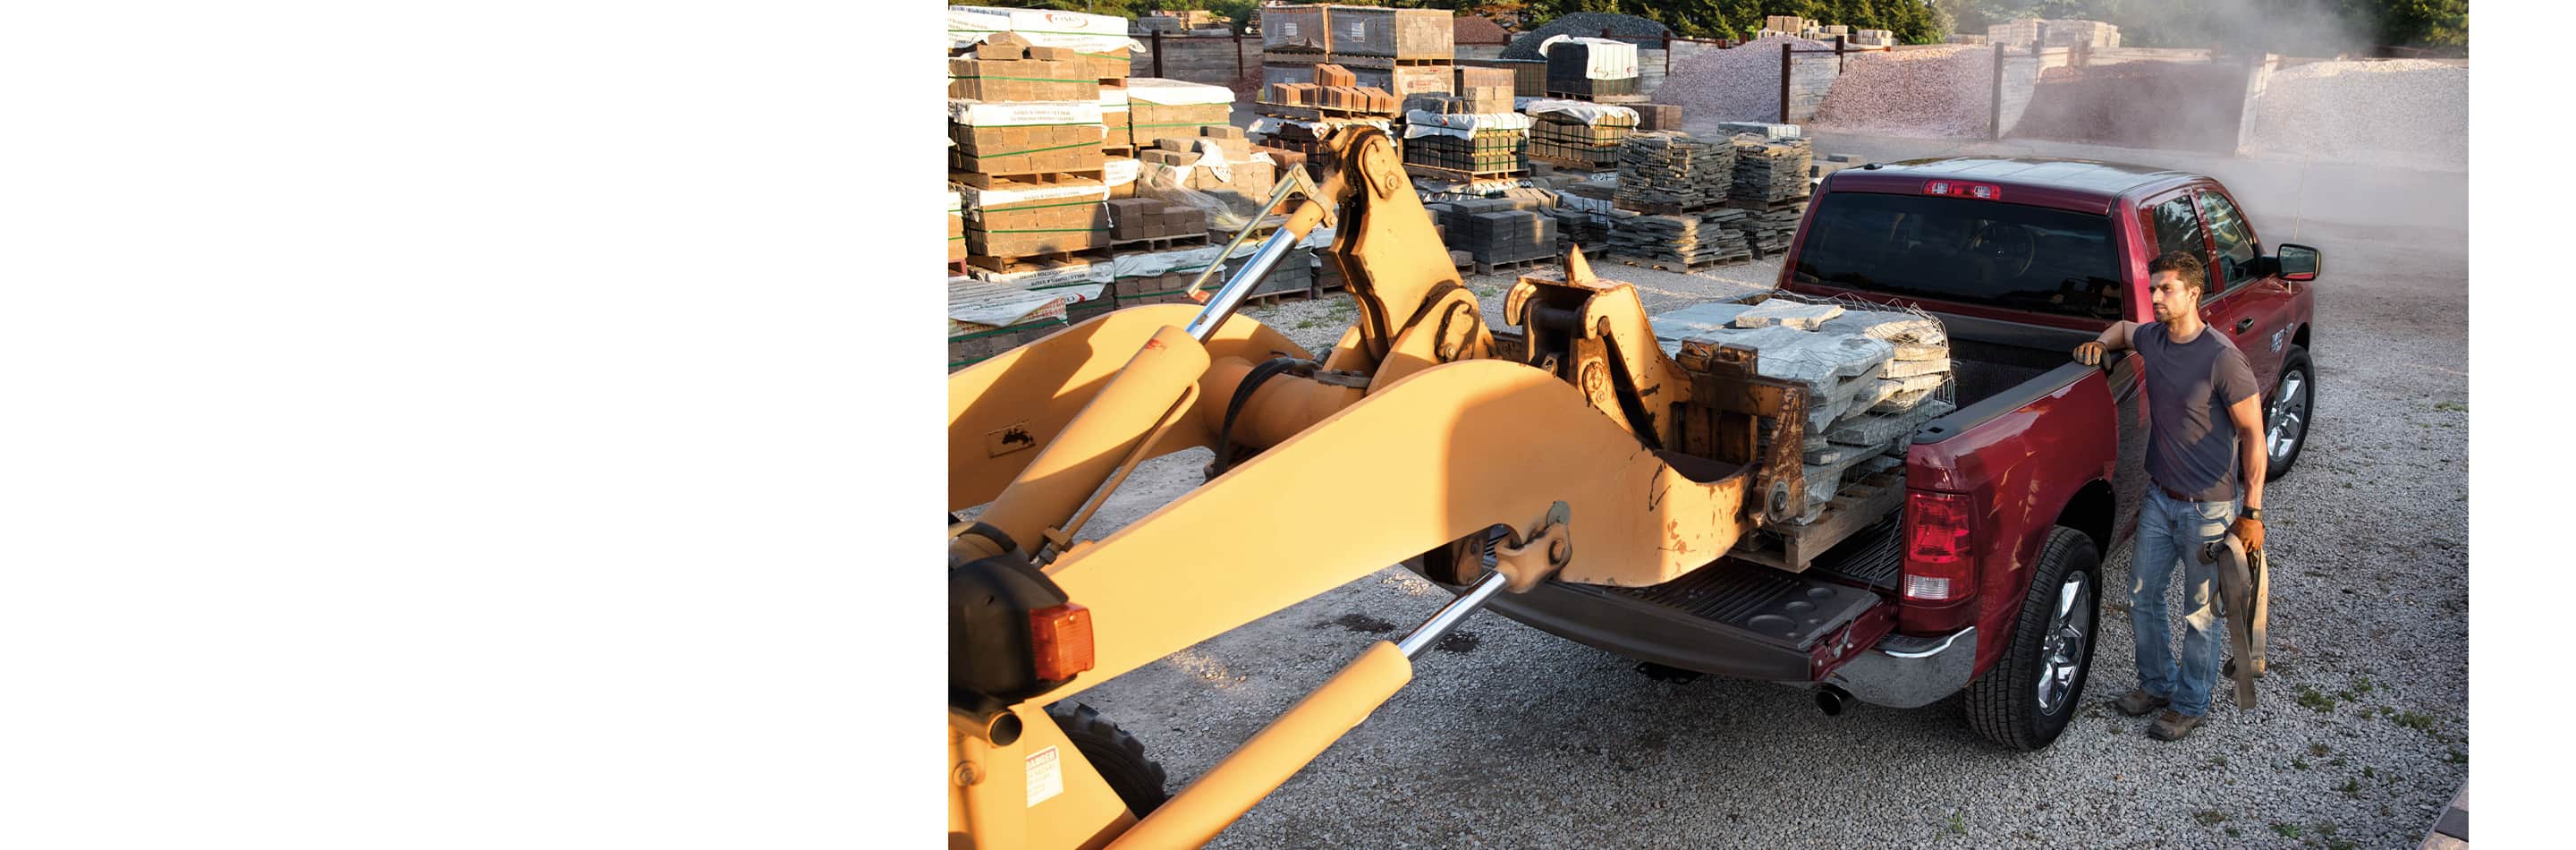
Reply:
x=1571, y=442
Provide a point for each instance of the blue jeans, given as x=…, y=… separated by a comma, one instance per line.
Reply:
x=2171, y=532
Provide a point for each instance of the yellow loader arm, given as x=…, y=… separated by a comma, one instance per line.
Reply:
x=1596, y=457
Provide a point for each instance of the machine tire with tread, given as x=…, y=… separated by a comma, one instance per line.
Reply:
x=1118, y=756
x=2003, y=705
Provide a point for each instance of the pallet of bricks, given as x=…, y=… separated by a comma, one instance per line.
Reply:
x=1300, y=116
x=1404, y=51
x=1465, y=141
x=1164, y=277
x=1598, y=70
x=1872, y=377
x=1670, y=211
x=1578, y=135
x=1498, y=233
x=1771, y=186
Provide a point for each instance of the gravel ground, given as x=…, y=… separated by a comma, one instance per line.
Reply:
x=1946, y=90
x=1740, y=83
x=2411, y=113
x=1511, y=737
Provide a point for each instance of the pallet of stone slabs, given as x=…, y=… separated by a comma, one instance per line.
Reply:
x=1654, y=208
x=1759, y=205
x=1030, y=180
x=1034, y=262
x=1858, y=506
x=1159, y=243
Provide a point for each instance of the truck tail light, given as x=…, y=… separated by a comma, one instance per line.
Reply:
x=1062, y=638
x=1939, y=560
x=1961, y=189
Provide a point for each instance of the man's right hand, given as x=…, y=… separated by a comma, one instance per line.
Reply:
x=2090, y=354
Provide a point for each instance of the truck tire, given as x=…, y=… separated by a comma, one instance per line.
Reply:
x=1118, y=756
x=2289, y=412
x=2032, y=691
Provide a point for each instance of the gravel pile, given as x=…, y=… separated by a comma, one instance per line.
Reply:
x=1643, y=32
x=2408, y=113
x=1735, y=84
x=2168, y=105
x=1946, y=90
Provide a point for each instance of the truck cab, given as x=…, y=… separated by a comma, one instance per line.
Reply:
x=1986, y=575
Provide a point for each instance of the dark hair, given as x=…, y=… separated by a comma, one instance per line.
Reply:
x=2183, y=265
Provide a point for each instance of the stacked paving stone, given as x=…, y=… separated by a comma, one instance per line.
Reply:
x=1768, y=231
x=1498, y=230
x=1671, y=172
x=1769, y=170
x=1684, y=241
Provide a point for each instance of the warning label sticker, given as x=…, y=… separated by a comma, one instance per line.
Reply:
x=1046, y=776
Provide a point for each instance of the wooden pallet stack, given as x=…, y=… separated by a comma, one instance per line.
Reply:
x=1026, y=152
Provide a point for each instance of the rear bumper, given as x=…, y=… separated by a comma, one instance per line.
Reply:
x=1909, y=672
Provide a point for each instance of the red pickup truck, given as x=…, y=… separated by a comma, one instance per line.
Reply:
x=1988, y=576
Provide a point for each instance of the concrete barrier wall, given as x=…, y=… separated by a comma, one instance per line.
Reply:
x=2020, y=78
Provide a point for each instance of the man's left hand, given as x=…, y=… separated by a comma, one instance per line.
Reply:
x=2249, y=530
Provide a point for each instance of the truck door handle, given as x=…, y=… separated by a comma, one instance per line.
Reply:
x=2245, y=323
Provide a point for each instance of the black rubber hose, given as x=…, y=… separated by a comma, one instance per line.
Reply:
x=1266, y=370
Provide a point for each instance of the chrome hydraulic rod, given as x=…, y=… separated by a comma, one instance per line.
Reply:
x=1223, y=302
x=1449, y=616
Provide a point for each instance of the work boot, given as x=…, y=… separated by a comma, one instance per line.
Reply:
x=2173, y=725
x=2137, y=702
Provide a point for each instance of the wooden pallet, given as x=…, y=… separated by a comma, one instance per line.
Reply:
x=1268, y=298
x=1119, y=152
x=1434, y=172
x=1032, y=262
x=1510, y=265
x=1583, y=165
x=1675, y=265
x=1388, y=63
x=1159, y=243
x=1033, y=179
x=1602, y=98
x=1856, y=507
x=1317, y=113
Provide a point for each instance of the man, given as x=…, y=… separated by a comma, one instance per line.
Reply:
x=2204, y=439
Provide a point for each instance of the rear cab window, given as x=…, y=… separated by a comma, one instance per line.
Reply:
x=1965, y=250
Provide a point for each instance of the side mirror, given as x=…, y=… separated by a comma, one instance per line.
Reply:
x=2299, y=263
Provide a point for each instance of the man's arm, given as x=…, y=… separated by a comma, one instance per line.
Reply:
x=2247, y=414
x=2113, y=338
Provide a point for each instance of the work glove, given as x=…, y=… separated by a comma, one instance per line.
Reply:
x=2090, y=354
x=2249, y=530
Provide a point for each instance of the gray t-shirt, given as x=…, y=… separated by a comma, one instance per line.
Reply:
x=2191, y=444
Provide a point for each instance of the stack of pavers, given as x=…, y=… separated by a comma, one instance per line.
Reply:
x=1192, y=160
x=1872, y=377
x=1403, y=51
x=1579, y=135
x=1674, y=242
x=1497, y=232
x=1583, y=213
x=1670, y=205
x=1025, y=133
x=1149, y=224
x=1299, y=116
x=1469, y=147
x=1771, y=184
x=1672, y=173
x=1593, y=69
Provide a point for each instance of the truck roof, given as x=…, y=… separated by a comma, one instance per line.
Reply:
x=2076, y=184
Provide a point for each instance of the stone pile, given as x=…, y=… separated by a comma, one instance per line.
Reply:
x=1767, y=171
x=1670, y=172
x=1678, y=241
